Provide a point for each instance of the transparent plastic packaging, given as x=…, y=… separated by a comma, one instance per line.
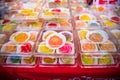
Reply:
x=20, y=61
x=97, y=41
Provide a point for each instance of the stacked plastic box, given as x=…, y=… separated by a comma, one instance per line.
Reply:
x=59, y=33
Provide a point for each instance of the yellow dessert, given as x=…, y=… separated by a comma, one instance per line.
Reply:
x=106, y=59
x=82, y=34
x=26, y=11
x=110, y=24
x=8, y=28
x=85, y=17
x=47, y=13
x=43, y=48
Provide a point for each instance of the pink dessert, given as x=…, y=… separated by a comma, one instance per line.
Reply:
x=66, y=49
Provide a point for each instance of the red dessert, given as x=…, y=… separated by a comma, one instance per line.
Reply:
x=56, y=10
x=26, y=47
x=52, y=25
x=115, y=19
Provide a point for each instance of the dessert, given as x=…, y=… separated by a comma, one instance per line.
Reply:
x=67, y=60
x=110, y=24
x=115, y=19
x=85, y=17
x=97, y=36
x=81, y=24
x=105, y=60
x=88, y=46
x=8, y=28
x=67, y=48
x=47, y=33
x=94, y=24
x=28, y=60
x=68, y=35
x=42, y=48
x=26, y=47
x=52, y=25
x=55, y=41
x=36, y=25
x=20, y=37
x=49, y=60
x=13, y=60
x=33, y=35
x=107, y=46
x=88, y=59
x=9, y=47
x=82, y=34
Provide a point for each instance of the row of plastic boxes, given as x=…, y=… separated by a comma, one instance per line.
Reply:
x=83, y=61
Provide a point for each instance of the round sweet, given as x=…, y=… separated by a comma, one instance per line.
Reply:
x=68, y=35
x=15, y=59
x=20, y=37
x=101, y=8
x=26, y=47
x=106, y=59
x=52, y=25
x=9, y=47
x=88, y=59
x=48, y=60
x=88, y=46
x=97, y=36
x=81, y=24
x=55, y=41
x=93, y=24
x=47, y=33
x=85, y=17
x=107, y=47
x=28, y=60
x=82, y=34
x=42, y=48
x=68, y=48
x=110, y=24
x=67, y=60
x=8, y=28
x=115, y=19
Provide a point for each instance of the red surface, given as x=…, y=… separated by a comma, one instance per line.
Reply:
x=104, y=1
x=62, y=72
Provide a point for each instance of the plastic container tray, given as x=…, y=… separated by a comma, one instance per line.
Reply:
x=64, y=43
x=19, y=61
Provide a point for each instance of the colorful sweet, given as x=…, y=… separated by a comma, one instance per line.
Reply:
x=36, y=25
x=115, y=19
x=93, y=24
x=81, y=24
x=28, y=60
x=110, y=24
x=8, y=28
x=67, y=60
x=85, y=17
x=13, y=59
x=82, y=34
x=97, y=36
x=55, y=41
x=88, y=59
x=33, y=35
x=101, y=8
x=20, y=37
x=47, y=33
x=107, y=46
x=68, y=35
x=26, y=11
x=67, y=48
x=116, y=33
x=88, y=47
x=49, y=60
x=52, y=25
x=105, y=60
x=26, y=47
x=9, y=47
x=6, y=21
x=64, y=23
x=42, y=48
